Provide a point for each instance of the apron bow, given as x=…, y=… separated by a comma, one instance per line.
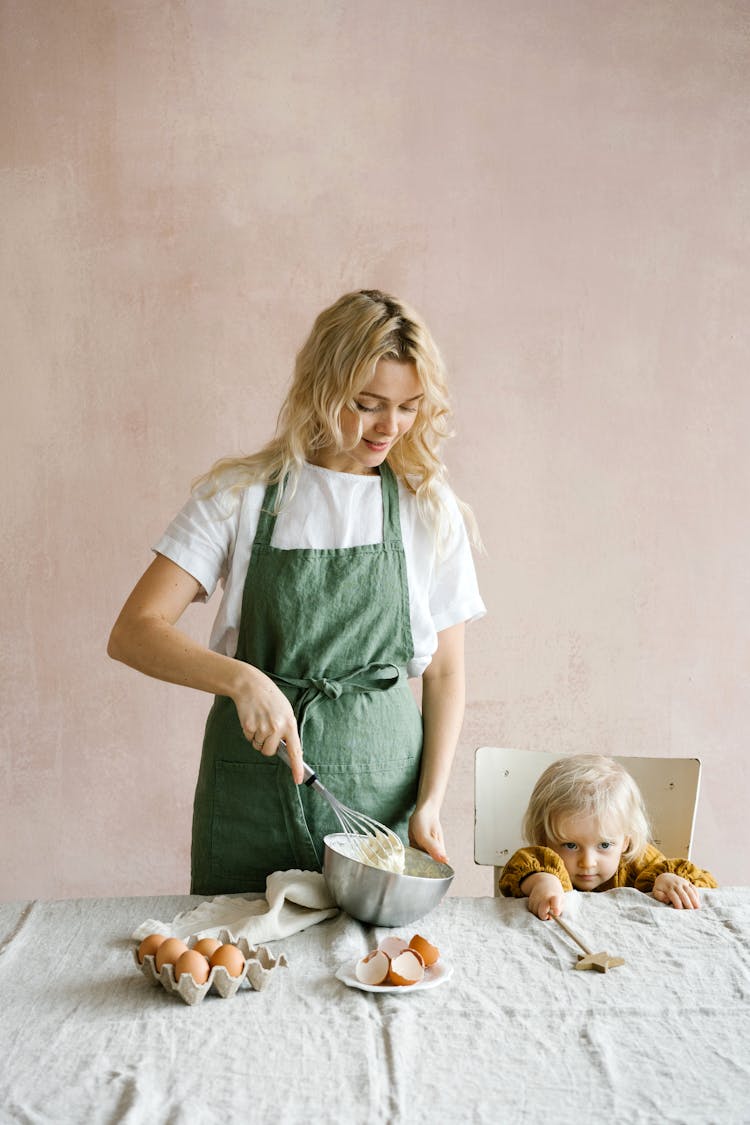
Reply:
x=330, y=688
x=371, y=677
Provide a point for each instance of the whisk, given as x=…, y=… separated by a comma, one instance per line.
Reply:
x=370, y=841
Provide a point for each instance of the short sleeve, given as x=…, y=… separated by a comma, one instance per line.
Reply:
x=454, y=593
x=201, y=538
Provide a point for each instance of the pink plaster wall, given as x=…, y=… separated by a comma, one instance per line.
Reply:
x=560, y=187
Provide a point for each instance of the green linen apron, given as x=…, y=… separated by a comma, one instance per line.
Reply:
x=332, y=629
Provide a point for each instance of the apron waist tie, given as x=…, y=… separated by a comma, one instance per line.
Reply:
x=371, y=677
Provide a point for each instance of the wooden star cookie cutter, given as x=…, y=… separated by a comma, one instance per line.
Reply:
x=588, y=960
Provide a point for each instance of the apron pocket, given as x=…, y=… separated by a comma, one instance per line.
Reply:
x=367, y=750
x=386, y=793
x=249, y=836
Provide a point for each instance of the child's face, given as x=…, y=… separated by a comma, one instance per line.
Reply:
x=591, y=858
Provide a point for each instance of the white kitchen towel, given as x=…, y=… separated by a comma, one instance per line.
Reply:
x=294, y=900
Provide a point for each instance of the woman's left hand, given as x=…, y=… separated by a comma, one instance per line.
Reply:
x=426, y=833
x=442, y=715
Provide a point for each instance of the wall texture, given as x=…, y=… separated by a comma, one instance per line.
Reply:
x=560, y=186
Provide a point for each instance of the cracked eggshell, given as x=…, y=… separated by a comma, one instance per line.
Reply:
x=393, y=945
x=429, y=953
x=373, y=967
x=406, y=969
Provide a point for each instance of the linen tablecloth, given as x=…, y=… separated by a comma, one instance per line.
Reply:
x=515, y=1035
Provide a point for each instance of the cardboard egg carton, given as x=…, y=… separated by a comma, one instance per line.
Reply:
x=260, y=964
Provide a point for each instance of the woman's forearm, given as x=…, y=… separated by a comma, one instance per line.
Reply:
x=442, y=716
x=145, y=636
x=157, y=648
x=443, y=702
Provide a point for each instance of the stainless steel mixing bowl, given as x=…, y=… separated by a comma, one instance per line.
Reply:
x=384, y=898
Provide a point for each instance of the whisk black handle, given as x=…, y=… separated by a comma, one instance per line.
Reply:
x=310, y=776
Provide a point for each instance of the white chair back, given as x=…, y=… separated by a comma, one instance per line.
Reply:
x=504, y=779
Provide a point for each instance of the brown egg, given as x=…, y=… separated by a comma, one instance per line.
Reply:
x=230, y=957
x=207, y=946
x=195, y=964
x=430, y=953
x=149, y=946
x=373, y=967
x=406, y=969
x=168, y=952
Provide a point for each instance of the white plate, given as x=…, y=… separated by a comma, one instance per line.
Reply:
x=432, y=978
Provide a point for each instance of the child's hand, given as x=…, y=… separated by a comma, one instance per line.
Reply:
x=676, y=891
x=546, y=894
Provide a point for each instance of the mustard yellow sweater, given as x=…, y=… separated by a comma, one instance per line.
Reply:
x=639, y=873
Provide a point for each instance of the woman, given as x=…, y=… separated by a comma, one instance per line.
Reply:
x=346, y=568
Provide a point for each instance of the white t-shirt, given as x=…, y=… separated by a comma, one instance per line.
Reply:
x=212, y=540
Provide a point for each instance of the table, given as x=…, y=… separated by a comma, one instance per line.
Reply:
x=516, y=1034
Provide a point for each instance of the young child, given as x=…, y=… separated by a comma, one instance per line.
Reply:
x=588, y=828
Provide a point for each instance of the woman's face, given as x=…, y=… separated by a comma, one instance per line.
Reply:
x=387, y=407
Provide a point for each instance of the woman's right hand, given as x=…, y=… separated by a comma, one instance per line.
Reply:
x=266, y=717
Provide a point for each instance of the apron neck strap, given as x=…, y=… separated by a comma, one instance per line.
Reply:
x=267, y=517
x=391, y=520
x=389, y=492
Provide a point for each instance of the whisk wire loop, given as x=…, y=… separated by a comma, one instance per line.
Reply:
x=371, y=842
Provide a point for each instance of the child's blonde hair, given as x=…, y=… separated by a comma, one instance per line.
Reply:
x=587, y=785
x=334, y=364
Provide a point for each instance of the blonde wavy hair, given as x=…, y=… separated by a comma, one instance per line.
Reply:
x=335, y=363
x=587, y=785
